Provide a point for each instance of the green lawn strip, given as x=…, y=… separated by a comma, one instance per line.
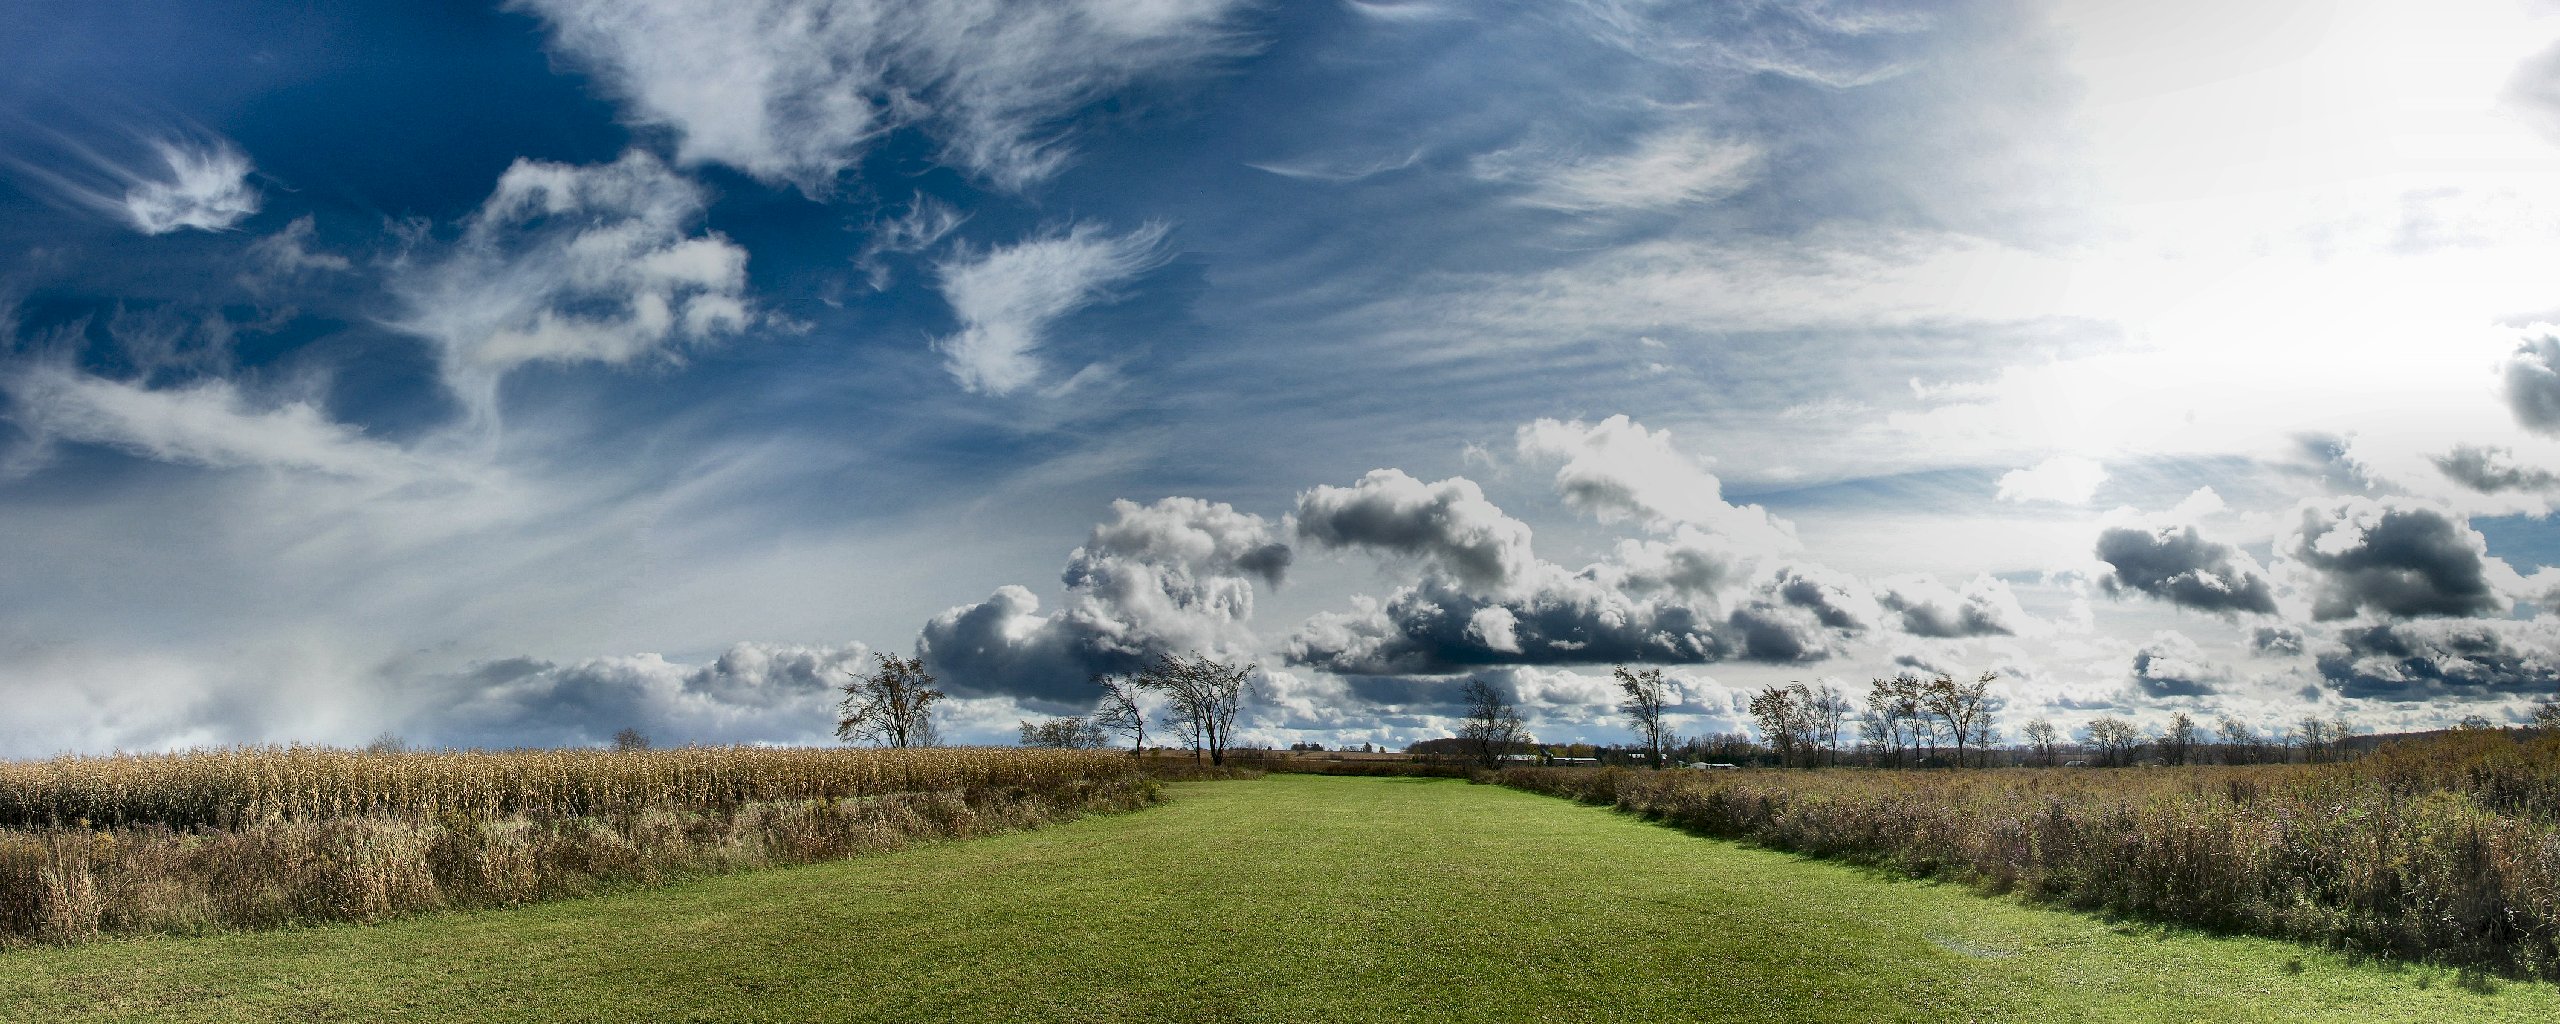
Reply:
x=1292, y=898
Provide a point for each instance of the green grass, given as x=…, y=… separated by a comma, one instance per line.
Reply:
x=1293, y=898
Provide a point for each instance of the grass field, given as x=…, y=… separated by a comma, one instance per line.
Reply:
x=1292, y=898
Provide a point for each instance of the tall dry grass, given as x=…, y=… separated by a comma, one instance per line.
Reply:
x=211, y=840
x=2446, y=850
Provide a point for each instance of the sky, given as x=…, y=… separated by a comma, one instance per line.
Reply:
x=514, y=374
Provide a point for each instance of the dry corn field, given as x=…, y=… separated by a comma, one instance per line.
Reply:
x=220, y=839
x=2445, y=850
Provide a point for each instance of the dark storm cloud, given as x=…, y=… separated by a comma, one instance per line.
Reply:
x=2444, y=659
x=1583, y=618
x=2177, y=564
x=2533, y=384
x=2393, y=559
x=2490, y=470
x=2276, y=641
x=2172, y=666
x=1173, y=576
x=753, y=693
x=1928, y=608
x=1447, y=524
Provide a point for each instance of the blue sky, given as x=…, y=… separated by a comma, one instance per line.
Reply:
x=515, y=374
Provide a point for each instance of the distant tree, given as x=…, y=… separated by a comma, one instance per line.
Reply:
x=1493, y=724
x=2177, y=737
x=1646, y=700
x=2546, y=714
x=891, y=707
x=2239, y=741
x=1202, y=697
x=2116, y=739
x=630, y=739
x=1072, y=732
x=2043, y=740
x=2474, y=723
x=1120, y=712
x=2342, y=734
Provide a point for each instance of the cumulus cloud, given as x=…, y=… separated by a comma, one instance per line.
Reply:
x=568, y=264
x=1665, y=168
x=2443, y=659
x=1590, y=617
x=1432, y=628
x=2062, y=480
x=1007, y=298
x=2171, y=665
x=798, y=90
x=2277, y=641
x=1447, y=525
x=2532, y=374
x=2393, y=558
x=2493, y=470
x=1616, y=469
x=204, y=187
x=2178, y=565
x=1926, y=607
x=1168, y=577
x=753, y=693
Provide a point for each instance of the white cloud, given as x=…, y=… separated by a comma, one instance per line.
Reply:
x=289, y=252
x=2062, y=479
x=567, y=264
x=204, y=187
x=798, y=90
x=206, y=424
x=1617, y=469
x=1667, y=168
x=1007, y=299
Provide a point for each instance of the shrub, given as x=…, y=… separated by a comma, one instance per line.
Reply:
x=267, y=836
x=2446, y=849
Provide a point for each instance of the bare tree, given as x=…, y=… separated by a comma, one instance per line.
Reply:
x=1830, y=707
x=892, y=706
x=2239, y=741
x=2116, y=739
x=2342, y=733
x=1964, y=707
x=2546, y=714
x=2043, y=739
x=1647, y=697
x=1894, y=724
x=1201, y=698
x=2178, y=737
x=630, y=739
x=1120, y=712
x=1493, y=723
x=1782, y=721
x=2315, y=738
x=1070, y=733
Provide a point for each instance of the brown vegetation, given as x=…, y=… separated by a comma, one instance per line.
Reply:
x=257, y=837
x=2446, y=849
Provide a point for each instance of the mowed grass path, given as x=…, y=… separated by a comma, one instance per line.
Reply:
x=1292, y=898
